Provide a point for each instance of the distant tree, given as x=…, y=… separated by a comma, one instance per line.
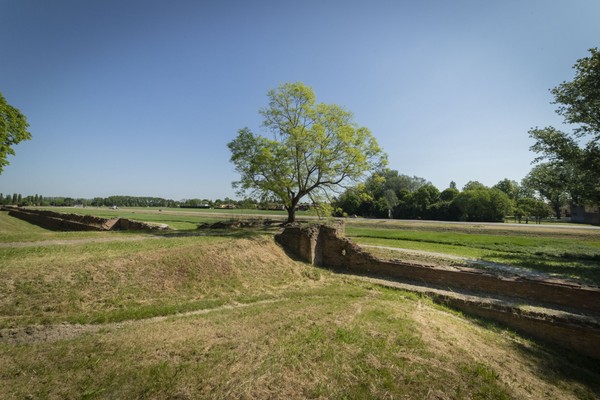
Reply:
x=376, y=184
x=449, y=194
x=486, y=205
x=424, y=197
x=411, y=183
x=13, y=130
x=247, y=203
x=452, y=185
x=579, y=104
x=15, y=199
x=471, y=185
x=350, y=201
x=533, y=209
x=550, y=180
x=315, y=147
x=511, y=188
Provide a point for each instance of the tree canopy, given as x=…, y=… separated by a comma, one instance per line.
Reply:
x=386, y=193
x=579, y=103
x=13, y=129
x=315, y=148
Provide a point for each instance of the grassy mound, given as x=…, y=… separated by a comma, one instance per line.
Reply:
x=231, y=316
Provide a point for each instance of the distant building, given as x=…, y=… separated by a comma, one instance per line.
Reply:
x=585, y=214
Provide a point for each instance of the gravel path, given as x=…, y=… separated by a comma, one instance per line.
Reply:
x=471, y=261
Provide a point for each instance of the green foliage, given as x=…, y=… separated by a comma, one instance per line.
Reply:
x=511, y=188
x=315, y=147
x=388, y=193
x=13, y=130
x=449, y=194
x=551, y=180
x=489, y=205
x=350, y=201
x=474, y=185
x=579, y=104
x=391, y=201
x=579, y=99
x=531, y=208
x=425, y=196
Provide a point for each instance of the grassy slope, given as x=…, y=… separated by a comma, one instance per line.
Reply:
x=272, y=328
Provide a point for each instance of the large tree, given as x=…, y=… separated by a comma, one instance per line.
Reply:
x=579, y=104
x=13, y=129
x=315, y=147
x=550, y=180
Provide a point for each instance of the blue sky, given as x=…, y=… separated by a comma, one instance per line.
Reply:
x=141, y=97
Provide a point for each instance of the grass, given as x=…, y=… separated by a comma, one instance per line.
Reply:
x=229, y=315
x=176, y=218
x=567, y=253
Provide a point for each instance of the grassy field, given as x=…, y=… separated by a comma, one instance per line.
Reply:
x=561, y=252
x=176, y=218
x=223, y=314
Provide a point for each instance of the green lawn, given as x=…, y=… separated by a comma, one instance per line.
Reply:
x=563, y=253
x=105, y=315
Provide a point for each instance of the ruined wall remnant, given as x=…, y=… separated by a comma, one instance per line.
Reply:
x=326, y=246
x=306, y=242
x=75, y=222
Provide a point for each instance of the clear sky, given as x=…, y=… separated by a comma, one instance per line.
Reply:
x=141, y=97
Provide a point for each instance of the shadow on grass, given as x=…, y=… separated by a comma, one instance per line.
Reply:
x=583, y=269
x=552, y=363
x=557, y=365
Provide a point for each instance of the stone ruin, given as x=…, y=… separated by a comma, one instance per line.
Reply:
x=571, y=316
x=75, y=222
x=238, y=223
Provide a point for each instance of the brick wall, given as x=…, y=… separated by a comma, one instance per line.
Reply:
x=74, y=222
x=326, y=246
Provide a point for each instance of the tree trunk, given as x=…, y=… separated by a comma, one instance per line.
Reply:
x=291, y=214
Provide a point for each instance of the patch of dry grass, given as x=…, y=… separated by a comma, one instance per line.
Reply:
x=233, y=317
x=121, y=280
x=347, y=340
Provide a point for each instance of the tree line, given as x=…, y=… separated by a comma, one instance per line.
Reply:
x=132, y=201
x=567, y=170
x=388, y=194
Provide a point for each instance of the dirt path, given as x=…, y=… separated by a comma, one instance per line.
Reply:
x=58, y=242
x=65, y=331
x=496, y=267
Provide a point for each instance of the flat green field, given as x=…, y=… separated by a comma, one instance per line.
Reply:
x=226, y=314
x=176, y=218
x=561, y=252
